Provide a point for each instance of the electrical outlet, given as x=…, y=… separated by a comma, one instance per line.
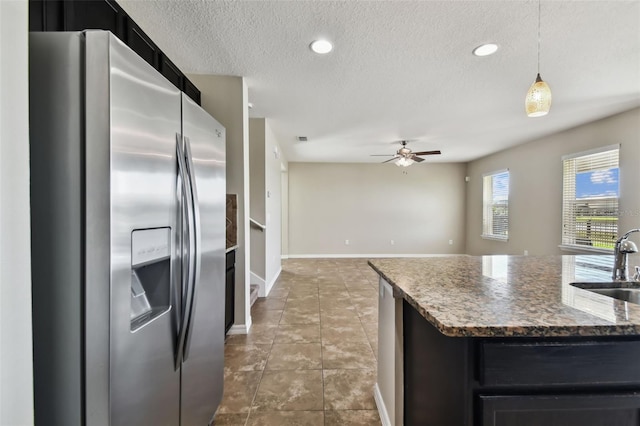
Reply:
x=526, y=252
x=450, y=242
x=346, y=242
x=392, y=242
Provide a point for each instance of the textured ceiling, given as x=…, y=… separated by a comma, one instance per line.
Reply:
x=404, y=69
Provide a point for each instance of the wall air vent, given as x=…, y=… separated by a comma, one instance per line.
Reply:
x=302, y=139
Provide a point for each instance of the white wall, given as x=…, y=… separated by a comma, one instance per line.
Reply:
x=535, y=187
x=284, y=211
x=225, y=98
x=420, y=207
x=266, y=205
x=16, y=360
x=273, y=207
x=258, y=191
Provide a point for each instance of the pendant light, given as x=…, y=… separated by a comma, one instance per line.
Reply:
x=538, y=100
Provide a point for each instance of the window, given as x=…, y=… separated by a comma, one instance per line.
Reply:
x=495, y=205
x=590, y=192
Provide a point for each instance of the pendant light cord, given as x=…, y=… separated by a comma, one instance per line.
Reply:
x=539, y=36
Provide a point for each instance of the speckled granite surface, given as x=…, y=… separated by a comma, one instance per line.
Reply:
x=501, y=296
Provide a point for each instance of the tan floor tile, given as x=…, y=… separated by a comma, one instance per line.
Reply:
x=352, y=418
x=370, y=328
x=304, y=305
x=360, y=287
x=369, y=295
x=295, y=356
x=349, y=389
x=297, y=333
x=302, y=295
x=239, y=390
x=269, y=303
x=223, y=419
x=333, y=295
x=362, y=304
x=245, y=357
x=369, y=314
x=262, y=334
x=347, y=355
x=265, y=316
x=339, y=317
x=290, y=391
x=295, y=317
x=338, y=334
x=331, y=303
x=286, y=418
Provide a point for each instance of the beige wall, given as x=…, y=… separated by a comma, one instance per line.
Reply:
x=225, y=98
x=16, y=365
x=420, y=207
x=535, y=192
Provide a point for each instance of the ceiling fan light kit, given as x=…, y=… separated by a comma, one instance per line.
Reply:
x=404, y=162
x=404, y=157
x=538, y=100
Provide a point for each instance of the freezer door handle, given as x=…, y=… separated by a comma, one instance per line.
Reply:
x=197, y=253
x=187, y=255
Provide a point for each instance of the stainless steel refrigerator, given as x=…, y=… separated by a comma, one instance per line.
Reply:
x=128, y=245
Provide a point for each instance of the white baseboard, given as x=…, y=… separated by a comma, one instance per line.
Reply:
x=284, y=256
x=256, y=279
x=272, y=282
x=239, y=329
x=376, y=255
x=382, y=410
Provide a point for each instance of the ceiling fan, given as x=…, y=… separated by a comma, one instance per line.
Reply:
x=404, y=157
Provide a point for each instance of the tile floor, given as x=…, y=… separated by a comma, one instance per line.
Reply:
x=310, y=356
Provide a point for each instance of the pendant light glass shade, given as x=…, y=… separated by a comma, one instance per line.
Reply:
x=538, y=100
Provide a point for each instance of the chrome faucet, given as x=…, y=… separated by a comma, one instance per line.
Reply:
x=622, y=248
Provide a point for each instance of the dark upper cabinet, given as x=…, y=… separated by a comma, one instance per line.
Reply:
x=46, y=15
x=191, y=90
x=140, y=43
x=94, y=15
x=78, y=15
x=170, y=71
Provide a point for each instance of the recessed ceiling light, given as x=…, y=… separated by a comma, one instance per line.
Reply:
x=321, y=46
x=485, y=49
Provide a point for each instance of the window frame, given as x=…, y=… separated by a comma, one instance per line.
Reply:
x=487, y=219
x=568, y=246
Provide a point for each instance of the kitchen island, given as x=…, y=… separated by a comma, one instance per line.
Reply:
x=505, y=340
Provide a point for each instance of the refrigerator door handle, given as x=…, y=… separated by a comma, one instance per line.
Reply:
x=197, y=253
x=187, y=273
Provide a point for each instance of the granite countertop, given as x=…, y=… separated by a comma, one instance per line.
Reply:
x=502, y=296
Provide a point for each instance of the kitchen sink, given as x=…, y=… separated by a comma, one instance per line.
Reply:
x=626, y=291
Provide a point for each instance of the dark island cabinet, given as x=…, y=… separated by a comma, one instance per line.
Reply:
x=524, y=381
x=230, y=290
x=561, y=410
x=79, y=15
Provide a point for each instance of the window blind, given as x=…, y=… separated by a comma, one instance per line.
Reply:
x=590, y=199
x=495, y=203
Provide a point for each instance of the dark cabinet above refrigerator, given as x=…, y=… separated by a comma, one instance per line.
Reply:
x=79, y=15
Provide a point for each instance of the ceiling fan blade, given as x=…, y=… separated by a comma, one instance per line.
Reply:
x=417, y=159
x=382, y=155
x=427, y=153
x=390, y=159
